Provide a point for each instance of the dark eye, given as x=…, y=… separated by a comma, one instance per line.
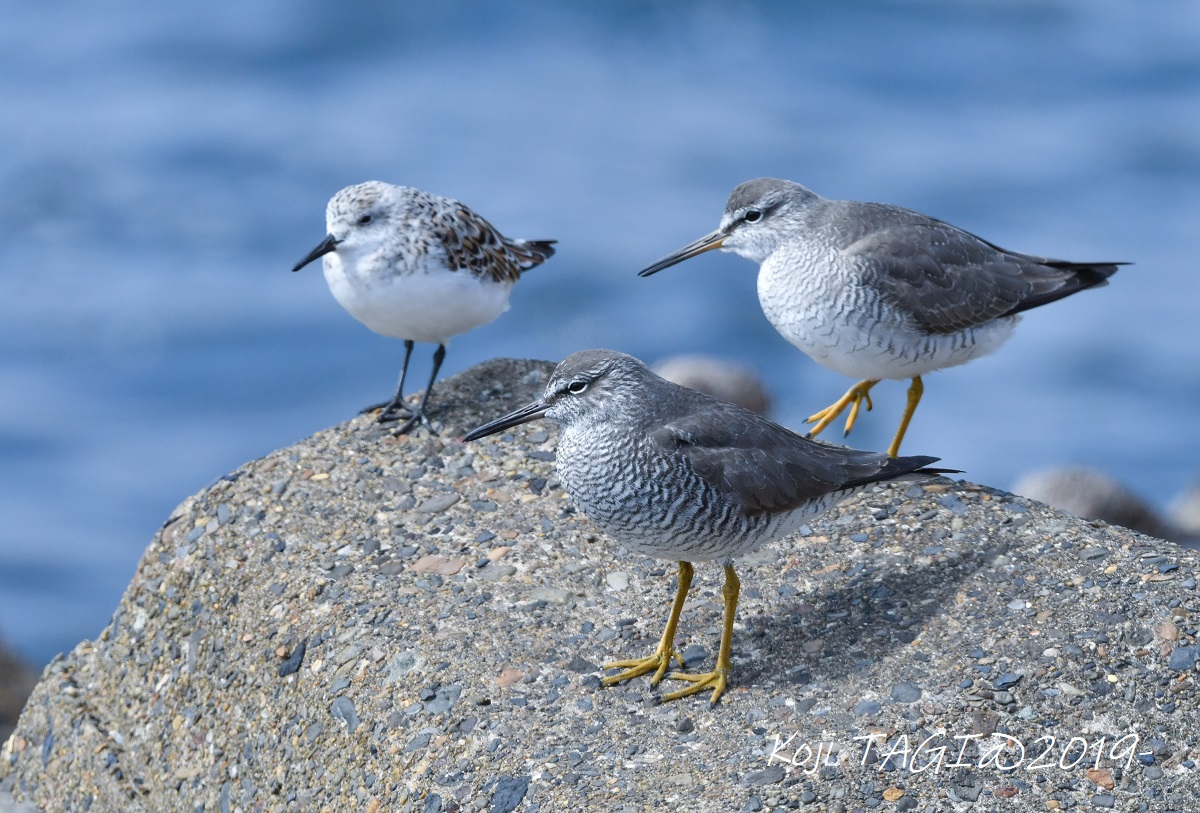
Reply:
x=576, y=387
x=364, y=220
x=753, y=216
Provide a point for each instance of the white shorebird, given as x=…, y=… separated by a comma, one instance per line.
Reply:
x=418, y=267
x=679, y=475
x=875, y=291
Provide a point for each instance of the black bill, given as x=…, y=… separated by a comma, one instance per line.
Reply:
x=706, y=243
x=327, y=245
x=527, y=413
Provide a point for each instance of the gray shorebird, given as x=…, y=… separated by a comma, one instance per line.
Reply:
x=679, y=475
x=875, y=291
x=417, y=267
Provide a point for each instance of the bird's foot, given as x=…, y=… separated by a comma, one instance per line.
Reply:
x=417, y=419
x=658, y=663
x=853, y=398
x=388, y=411
x=701, y=681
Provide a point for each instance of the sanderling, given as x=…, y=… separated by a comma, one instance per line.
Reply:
x=418, y=267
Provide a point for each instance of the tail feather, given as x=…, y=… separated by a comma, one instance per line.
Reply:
x=903, y=468
x=533, y=252
x=1075, y=277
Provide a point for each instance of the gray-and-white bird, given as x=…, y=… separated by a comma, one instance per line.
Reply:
x=679, y=475
x=875, y=291
x=419, y=267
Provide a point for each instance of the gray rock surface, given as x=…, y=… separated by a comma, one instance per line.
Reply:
x=10, y=805
x=1093, y=494
x=450, y=650
x=16, y=682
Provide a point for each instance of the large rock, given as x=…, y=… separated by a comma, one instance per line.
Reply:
x=367, y=623
x=1092, y=494
x=16, y=682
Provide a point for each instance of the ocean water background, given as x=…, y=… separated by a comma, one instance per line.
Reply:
x=164, y=165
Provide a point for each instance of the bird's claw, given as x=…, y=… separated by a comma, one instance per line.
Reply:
x=658, y=663
x=417, y=418
x=715, y=680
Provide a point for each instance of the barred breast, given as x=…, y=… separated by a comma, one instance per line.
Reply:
x=656, y=504
x=818, y=302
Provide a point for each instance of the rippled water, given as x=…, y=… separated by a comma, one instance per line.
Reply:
x=163, y=167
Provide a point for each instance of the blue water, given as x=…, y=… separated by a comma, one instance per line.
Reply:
x=162, y=166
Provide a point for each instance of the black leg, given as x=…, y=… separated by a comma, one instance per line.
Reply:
x=439, y=356
x=390, y=408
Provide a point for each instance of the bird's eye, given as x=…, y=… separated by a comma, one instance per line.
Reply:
x=576, y=387
x=753, y=216
x=364, y=220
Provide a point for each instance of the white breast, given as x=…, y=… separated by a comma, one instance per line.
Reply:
x=429, y=304
x=820, y=306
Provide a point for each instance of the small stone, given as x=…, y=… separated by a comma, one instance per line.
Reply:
x=617, y=581
x=509, y=676
x=904, y=692
x=435, y=505
x=551, y=595
x=497, y=572
x=892, y=794
x=444, y=699
x=767, y=776
x=497, y=553
x=292, y=664
x=1167, y=631
x=1007, y=680
x=439, y=565
x=343, y=709
x=582, y=665
x=508, y=794
x=1104, y=800
x=418, y=742
x=348, y=653
x=1184, y=657
x=867, y=707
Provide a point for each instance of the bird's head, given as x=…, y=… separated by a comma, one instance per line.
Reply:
x=586, y=387
x=753, y=225
x=358, y=218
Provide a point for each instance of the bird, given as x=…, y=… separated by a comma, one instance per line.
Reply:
x=679, y=475
x=875, y=291
x=420, y=267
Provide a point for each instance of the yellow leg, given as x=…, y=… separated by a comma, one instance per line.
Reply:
x=853, y=398
x=915, y=391
x=715, y=679
x=661, y=659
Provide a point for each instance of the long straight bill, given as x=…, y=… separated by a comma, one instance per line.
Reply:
x=706, y=243
x=527, y=413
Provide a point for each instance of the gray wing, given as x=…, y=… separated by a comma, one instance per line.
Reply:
x=767, y=468
x=946, y=279
x=474, y=244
